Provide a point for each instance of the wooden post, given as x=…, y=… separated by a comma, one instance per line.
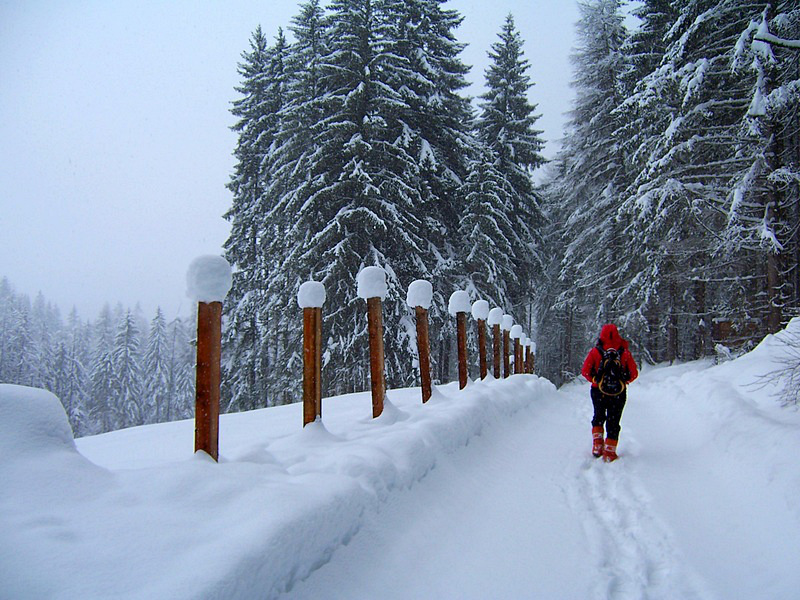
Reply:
x=376, y=359
x=311, y=297
x=482, y=347
x=312, y=320
x=424, y=352
x=506, y=361
x=461, y=325
x=480, y=312
x=458, y=306
x=208, y=378
x=517, y=357
x=496, y=348
x=528, y=359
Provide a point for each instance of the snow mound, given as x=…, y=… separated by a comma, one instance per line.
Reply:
x=311, y=295
x=459, y=302
x=516, y=332
x=420, y=293
x=372, y=283
x=507, y=322
x=480, y=310
x=208, y=279
x=33, y=422
x=495, y=317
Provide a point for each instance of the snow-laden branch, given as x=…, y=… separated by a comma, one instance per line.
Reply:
x=769, y=38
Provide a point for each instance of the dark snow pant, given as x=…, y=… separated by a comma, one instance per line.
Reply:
x=608, y=411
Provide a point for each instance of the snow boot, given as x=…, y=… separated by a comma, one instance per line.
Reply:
x=597, y=441
x=610, y=451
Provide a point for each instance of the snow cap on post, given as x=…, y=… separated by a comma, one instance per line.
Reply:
x=495, y=316
x=311, y=295
x=506, y=322
x=480, y=310
x=208, y=279
x=533, y=346
x=516, y=332
x=372, y=283
x=459, y=302
x=420, y=293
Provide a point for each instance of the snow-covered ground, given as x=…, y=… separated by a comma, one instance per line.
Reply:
x=489, y=492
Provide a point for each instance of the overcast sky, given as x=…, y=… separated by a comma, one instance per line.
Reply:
x=115, y=145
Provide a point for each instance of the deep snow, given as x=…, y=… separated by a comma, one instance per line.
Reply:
x=489, y=492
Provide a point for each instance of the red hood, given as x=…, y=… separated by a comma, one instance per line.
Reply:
x=610, y=337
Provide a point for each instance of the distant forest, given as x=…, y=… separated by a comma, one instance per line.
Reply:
x=118, y=371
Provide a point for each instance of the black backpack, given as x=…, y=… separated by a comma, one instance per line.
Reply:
x=611, y=375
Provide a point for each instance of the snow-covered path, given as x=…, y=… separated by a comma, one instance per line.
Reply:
x=488, y=492
x=700, y=506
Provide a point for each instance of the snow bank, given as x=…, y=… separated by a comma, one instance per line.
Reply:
x=208, y=279
x=311, y=295
x=162, y=523
x=480, y=310
x=32, y=422
x=372, y=283
x=495, y=317
x=459, y=302
x=420, y=293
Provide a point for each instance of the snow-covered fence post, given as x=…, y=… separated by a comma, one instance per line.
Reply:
x=208, y=281
x=480, y=312
x=420, y=294
x=516, y=335
x=372, y=288
x=311, y=297
x=506, y=324
x=495, y=317
x=533, y=357
x=528, y=356
x=459, y=306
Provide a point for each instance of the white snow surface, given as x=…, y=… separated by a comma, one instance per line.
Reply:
x=208, y=279
x=507, y=322
x=486, y=492
x=516, y=332
x=480, y=310
x=420, y=293
x=372, y=283
x=495, y=317
x=311, y=294
x=459, y=302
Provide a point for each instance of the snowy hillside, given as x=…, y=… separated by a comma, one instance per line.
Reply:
x=488, y=492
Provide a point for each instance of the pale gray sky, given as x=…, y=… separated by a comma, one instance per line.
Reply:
x=115, y=145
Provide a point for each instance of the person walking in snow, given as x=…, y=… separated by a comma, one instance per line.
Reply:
x=609, y=367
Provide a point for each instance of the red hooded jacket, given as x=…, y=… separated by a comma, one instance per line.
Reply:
x=609, y=338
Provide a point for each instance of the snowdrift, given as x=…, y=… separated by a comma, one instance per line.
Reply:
x=149, y=520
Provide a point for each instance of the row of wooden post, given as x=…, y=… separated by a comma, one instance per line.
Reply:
x=208, y=373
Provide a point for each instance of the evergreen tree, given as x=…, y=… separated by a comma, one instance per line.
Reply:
x=156, y=371
x=126, y=388
x=506, y=125
x=101, y=408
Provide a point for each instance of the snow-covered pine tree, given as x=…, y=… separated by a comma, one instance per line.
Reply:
x=126, y=387
x=586, y=239
x=101, y=376
x=506, y=125
x=359, y=207
x=71, y=376
x=246, y=346
x=434, y=128
x=156, y=371
x=179, y=400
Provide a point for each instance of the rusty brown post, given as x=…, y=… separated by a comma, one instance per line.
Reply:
x=528, y=358
x=506, y=325
x=312, y=316
x=419, y=297
x=494, y=319
x=458, y=306
x=424, y=351
x=208, y=378
x=376, y=358
x=480, y=312
x=372, y=288
x=516, y=334
x=461, y=326
x=311, y=297
x=208, y=281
